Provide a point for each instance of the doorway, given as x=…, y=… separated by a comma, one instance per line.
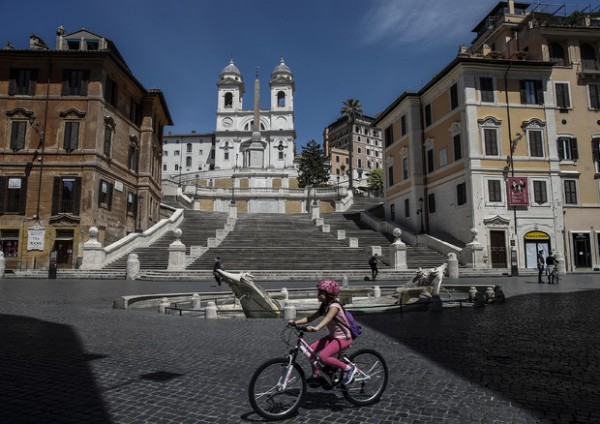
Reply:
x=498, y=249
x=582, y=252
x=63, y=246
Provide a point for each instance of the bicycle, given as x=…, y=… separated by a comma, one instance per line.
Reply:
x=278, y=386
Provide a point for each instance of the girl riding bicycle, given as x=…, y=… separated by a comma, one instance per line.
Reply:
x=339, y=337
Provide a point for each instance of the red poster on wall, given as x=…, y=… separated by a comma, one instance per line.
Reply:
x=517, y=191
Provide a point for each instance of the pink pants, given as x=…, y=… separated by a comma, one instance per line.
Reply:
x=328, y=348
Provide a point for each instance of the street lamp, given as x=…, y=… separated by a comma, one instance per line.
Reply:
x=420, y=212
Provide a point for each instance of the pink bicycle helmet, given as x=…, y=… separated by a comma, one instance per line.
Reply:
x=329, y=286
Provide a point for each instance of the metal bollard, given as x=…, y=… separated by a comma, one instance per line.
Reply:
x=196, y=301
x=163, y=305
x=289, y=312
x=210, y=312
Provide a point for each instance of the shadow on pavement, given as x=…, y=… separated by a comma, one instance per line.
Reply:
x=44, y=375
x=539, y=351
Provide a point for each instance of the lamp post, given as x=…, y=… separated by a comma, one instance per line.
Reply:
x=420, y=213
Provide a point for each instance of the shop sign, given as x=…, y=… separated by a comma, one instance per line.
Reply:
x=517, y=191
x=35, y=238
x=537, y=235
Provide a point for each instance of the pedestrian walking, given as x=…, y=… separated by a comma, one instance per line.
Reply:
x=540, y=265
x=550, y=265
x=218, y=265
x=373, y=261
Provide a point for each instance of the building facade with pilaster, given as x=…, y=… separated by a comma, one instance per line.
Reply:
x=80, y=146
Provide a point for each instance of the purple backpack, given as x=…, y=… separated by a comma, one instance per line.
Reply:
x=353, y=326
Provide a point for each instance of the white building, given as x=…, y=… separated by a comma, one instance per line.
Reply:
x=186, y=154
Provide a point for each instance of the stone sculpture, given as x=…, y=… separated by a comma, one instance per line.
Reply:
x=254, y=300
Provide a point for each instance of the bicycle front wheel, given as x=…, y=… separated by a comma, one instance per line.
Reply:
x=277, y=389
x=371, y=379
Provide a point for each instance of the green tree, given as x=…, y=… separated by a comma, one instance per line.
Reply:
x=351, y=109
x=311, y=170
x=375, y=181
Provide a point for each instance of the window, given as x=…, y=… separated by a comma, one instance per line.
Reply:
x=392, y=213
x=71, y=136
x=431, y=202
x=110, y=91
x=135, y=113
x=494, y=193
x=359, y=163
x=10, y=243
x=108, y=133
x=596, y=153
x=457, y=147
x=588, y=56
x=540, y=196
x=563, y=100
x=189, y=147
x=536, y=144
x=176, y=153
x=557, y=54
x=228, y=100
x=390, y=176
x=570, y=192
x=281, y=99
x=388, y=136
x=66, y=195
x=22, y=82
x=430, y=164
x=133, y=156
x=461, y=194
x=13, y=194
x=75, y=82
x=17, y=135
x=406, y=208
x=405, y=169
x=105, y=195
x=428, y=118
x=486, y=87
x=567, y=148
x=188, y=161
x=403, y=125
x=490, y=136
x=176, y=167
x=165, y=167
x=532, y=92
x=594, y=94
x=453, y=97
x=281, y=155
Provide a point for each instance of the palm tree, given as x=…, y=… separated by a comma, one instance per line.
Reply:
x=351, y=109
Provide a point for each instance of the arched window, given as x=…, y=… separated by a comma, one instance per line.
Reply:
x=228, y=100
x=281, y=99
x=557, y=54
x=588, y=56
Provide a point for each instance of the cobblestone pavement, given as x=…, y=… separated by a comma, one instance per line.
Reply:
x=67, y=357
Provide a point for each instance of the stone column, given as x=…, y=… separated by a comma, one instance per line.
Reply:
x=398, y=251
x=176, y=253
x=133, y=267
x=93, y=252
x=2, y=264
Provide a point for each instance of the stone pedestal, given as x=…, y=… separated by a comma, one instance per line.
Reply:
x=341, y=234
x=210, y=312
x=353, y=242
x=398, y=252
x=176, y=253
x=315, y=212
x=232, y=211
x=326, y=228
x=133, y=267
x=289, y=312
x=93, y=252
x=452, y=266
x=473, y=256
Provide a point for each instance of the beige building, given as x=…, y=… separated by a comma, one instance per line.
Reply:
x=80, y=146
x=501, y=147
x=367, y=151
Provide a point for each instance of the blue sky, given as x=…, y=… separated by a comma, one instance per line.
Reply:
x=371, y=50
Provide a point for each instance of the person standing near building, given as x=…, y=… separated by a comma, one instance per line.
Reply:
x=373, y=264
x=550, y=265
x=540, y=265
x=218, y=265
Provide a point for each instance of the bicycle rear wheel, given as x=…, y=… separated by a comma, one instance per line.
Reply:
x=276, y=391
x=371, y=379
